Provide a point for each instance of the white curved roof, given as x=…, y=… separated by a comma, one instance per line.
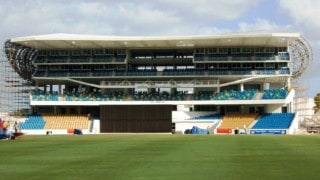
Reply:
x=75, y=41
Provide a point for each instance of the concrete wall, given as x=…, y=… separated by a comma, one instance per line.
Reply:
x=184, y=115
x=53, y=131
x=273, y=108
x=294, y=125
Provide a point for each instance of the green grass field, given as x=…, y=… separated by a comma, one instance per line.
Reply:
x=160, y=157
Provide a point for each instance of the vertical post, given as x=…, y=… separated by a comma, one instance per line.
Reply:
x=59, y=89
x=241, y=87
x=289, y=83
x=266, y=86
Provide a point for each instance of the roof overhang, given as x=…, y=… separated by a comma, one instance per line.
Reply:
x=73, y=41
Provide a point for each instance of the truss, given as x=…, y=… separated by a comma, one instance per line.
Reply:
x=301, y=56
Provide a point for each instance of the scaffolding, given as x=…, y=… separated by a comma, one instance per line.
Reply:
x=14, y=91
x=303, y=105
x=301, y=56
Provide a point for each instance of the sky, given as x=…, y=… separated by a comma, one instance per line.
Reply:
x=167, y=17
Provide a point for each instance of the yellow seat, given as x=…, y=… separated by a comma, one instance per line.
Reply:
x=59, y=121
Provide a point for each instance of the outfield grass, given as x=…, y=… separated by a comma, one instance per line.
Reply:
x=160, y=157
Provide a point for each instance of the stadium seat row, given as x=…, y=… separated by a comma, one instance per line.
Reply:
x=163, y=96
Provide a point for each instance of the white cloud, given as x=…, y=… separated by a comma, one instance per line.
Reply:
x=120, y=18
x=210, y=10
x=263, y=25
x=303, y=12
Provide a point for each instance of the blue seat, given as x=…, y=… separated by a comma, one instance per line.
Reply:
x=33, y=122
x=274, y=121
x=275, y=94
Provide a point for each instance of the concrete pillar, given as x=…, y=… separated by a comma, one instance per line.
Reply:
x=103, y=90
x=31, y=110
x=241, y=87
x=173, y=90
x=289, y=83
x=59, y=89
x=80, y=88
x=125, y=91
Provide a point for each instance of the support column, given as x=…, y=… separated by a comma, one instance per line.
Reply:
x=103, y=90
x=31, y=110
x=126, y=92
x=59, y=89
x=80, y=88
x=173, y=90
x=289, y=83
x=218, y=89
x=266, y=86
x=241, y=87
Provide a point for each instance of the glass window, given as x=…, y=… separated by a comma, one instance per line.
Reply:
x=76, y=52
x=98, y=51
x=247, y=50
x=235, y=50
x=223, y=50
x=86, y=52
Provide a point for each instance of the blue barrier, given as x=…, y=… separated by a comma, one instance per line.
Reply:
x=268, y=131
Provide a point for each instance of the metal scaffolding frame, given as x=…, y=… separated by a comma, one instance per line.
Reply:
x=14, y=98
x=301, y=59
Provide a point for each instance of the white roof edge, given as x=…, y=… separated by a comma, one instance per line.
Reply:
x=84, y=37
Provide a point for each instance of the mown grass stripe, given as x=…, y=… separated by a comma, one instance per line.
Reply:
x=160, y=157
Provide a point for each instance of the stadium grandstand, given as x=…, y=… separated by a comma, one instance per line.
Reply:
x=221, y=84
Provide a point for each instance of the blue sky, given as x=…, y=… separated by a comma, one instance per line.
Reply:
x=166, y=17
